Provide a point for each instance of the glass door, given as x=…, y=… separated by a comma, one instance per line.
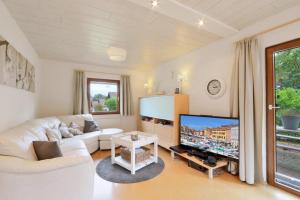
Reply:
x=283, y=98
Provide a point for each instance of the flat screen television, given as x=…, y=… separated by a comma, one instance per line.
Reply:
x=218, y=135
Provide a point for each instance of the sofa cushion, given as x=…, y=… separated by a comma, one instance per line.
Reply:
x=91, y=137
x=76, y=152
x=46, y=150
x=48, y=122
x=108, y=132
x=17, y=141
x=71, y=144
x=78, y=119
x=53, y=135
x=75, y=132
x=90, y=126
x=73, y=126
x=64, y=130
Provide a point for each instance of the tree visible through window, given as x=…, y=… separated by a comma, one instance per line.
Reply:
x=103, y=96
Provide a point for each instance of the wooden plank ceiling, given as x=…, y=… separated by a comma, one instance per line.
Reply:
x=82, y=30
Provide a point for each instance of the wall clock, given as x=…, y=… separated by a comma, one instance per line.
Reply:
x=215, y=88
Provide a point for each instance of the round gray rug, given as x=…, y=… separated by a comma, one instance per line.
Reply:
x=117, y=174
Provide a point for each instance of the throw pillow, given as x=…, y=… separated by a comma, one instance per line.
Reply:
x=90, y=126
x=76, y=126
x=64, y=130
x=53, y=135
x=75, y=131
x=46, y=150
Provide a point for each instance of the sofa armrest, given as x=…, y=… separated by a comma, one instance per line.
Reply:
x=59, y=178
x=20, y=166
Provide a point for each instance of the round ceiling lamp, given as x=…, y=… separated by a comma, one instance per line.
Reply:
x=116, y=54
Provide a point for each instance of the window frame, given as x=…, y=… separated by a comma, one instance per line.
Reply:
x=270, y=116
x=117, y=82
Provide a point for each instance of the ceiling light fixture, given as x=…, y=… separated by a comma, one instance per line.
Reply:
x=116, y=54
x=154, y=3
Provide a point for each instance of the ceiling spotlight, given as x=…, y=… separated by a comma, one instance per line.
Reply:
x=154, y=3
x=200, y=22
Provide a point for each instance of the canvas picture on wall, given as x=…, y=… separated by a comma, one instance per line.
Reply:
x=15, y=70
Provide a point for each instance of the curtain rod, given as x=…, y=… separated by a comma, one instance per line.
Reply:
x=99, y=72
x=3, y=43
x=276, y=27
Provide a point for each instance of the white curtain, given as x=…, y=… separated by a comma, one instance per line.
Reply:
x=126, y=96
x=80, y=95
x=247, y=103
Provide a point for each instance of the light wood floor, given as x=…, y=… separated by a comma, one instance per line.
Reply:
x=179, y=182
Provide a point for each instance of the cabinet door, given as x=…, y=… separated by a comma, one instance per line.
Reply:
x=148, y=127
x=161, y=107
x=164, y=133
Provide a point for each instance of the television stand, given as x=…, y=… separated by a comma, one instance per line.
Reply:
x=219, y=164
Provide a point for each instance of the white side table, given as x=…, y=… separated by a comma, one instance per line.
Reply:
x=125, y=140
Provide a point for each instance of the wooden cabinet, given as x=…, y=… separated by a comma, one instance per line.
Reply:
x=160, y=115
x=160, y=107
x=165, y=134
x=147, y=126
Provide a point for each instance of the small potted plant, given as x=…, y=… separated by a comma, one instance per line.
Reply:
x=288, y=99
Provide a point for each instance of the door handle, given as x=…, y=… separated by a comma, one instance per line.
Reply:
x=271, y=107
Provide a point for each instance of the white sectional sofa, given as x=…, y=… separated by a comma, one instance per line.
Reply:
x=95, y=140
x=70, y=177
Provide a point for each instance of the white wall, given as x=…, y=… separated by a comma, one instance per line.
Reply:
x=199, y=67
x=216, y=61
x=58, y=87
x=17, y=106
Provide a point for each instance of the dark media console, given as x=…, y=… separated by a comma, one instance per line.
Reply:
x=207, y=157
x=204, y=159
x=200, y=154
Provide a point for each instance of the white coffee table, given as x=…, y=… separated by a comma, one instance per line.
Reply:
x=125, y=140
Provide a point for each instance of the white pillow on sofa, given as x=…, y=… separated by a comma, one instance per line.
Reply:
x=64, y=130
x=54, y=135
x=75, y=131
x=78, y=119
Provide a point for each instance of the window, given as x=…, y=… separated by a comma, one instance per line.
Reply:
x=103, y=96
x=283, y=100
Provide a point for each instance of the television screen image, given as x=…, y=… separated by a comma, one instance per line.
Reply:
x=214, y=134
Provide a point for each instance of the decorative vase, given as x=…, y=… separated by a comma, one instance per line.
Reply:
x=134, y=137
x=290, y=122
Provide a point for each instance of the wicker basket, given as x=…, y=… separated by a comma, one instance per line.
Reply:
x=141, y=154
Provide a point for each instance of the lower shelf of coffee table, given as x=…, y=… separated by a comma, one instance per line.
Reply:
x=124, y=163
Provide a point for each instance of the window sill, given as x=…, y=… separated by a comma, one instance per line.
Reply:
x=107, y=116
x=105, y=113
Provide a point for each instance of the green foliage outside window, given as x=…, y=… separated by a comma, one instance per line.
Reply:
x=289, y=100
x=111, y=103
x=97, y=97
x=287, y=68
x=287, y=74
